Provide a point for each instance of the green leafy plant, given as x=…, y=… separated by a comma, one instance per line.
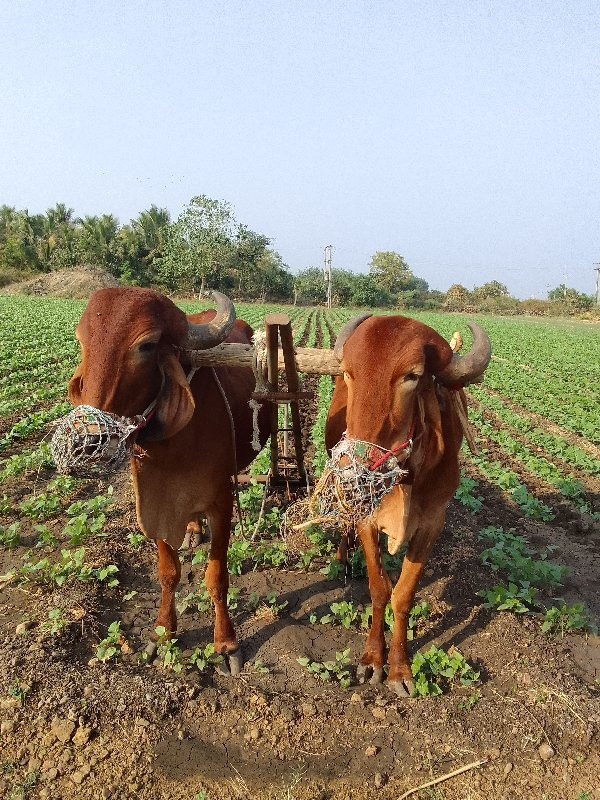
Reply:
x=469, y=702
x=418, y=613
x=518, y=598
x=435, y=668
x=275, y=607
x=238, y=551
x=167, y=650
x=511, y=554
x=203, y=657
x=20, y=691
x=93, y=506
x=232, y=598
x=70, y=567
x=563, y=619
x=78, y=529
x=45, y=537
x=56, y=622
x=136, y=539
x=200, y=557
x=199, y=599
x=40, y=506
x=328, y=671
x=464, y=494
x=10, y=537
x=110, y=647
x=258, y=666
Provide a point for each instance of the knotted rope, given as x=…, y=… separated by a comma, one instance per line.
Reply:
x=259, y=339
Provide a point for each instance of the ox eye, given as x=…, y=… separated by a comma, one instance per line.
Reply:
x=147, y=347
x=411, y=376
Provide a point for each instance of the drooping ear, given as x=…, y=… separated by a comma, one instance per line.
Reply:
x=175, y=406
x=75, y=385
x=429, y=453
x=438, y=354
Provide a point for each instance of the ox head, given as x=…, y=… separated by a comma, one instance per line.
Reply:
x=130, y=345
x=389, y=364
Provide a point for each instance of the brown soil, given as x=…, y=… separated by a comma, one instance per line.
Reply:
x=76, y=283
x=156, y=735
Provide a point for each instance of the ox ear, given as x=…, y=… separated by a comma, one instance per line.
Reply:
x=438, y=354
x=175, y=406
x=75, y=385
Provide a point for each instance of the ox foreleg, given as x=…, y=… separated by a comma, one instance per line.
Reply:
x=217, y=583
x=400, y=675
x=380, y=587
x=169, y=573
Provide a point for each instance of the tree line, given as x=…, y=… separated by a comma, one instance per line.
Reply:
x=206, y=247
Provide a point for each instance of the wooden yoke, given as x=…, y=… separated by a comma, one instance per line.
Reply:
x=278, y=359
x=279, y=325
x=311, y=360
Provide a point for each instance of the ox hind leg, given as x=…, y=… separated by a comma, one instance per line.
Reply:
x=400, y=677
x=217, y=583
x=373, y=658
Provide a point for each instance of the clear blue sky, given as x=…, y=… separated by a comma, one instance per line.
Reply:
x=463, y=135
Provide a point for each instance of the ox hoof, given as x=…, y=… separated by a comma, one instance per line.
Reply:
x=232, y=663
x=150, y=652
x=367, y=672
x=404, y=687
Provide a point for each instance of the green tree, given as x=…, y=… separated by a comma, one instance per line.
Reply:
x=390, y=271
x=142, y=242
x=249, y=248
x=97, y=243
x=273, y=280
x=198, y=246
x=574, y=300
x=457, y=298
x=491, y=289
x=309, y=286
x=365, y=292
x=18, y=250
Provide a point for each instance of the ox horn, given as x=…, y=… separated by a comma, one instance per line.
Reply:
x=468, y=368
x=204, y=335
x=345, y=331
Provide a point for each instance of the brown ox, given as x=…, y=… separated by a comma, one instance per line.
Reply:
x=133, y=345
x=398, y=375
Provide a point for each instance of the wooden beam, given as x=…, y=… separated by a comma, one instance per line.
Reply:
x=287, y=345
x=273, y=380
x=311, y=360
x=282, y=397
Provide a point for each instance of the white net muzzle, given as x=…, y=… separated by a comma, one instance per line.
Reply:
x=88, y=441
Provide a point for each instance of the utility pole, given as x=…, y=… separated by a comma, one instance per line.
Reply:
x=597, y=268
x=327, y=273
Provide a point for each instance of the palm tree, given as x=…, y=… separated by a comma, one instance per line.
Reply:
x=97, y=241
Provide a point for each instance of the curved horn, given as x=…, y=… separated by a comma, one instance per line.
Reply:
x=204, y=335
x=345, y=331
x=466, y=369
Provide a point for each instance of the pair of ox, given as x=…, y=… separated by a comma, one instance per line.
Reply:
x=397, y=374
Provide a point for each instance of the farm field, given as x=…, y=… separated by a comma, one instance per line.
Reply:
x=512, y=583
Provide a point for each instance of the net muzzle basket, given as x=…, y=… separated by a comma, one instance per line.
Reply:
x=89, y=442
x=348, y=489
